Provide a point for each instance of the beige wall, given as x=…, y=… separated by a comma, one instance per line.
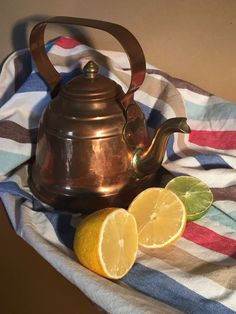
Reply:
x=191, y=39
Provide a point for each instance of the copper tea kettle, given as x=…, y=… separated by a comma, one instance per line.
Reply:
x=93, y=149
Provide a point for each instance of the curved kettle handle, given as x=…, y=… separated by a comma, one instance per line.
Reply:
x=124, y=37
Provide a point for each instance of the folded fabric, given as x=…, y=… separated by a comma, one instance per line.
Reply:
x=197, y=274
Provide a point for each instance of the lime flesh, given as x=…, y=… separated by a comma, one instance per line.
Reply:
x=195, y=194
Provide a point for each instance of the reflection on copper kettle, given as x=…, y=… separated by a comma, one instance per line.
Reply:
x=93, y=148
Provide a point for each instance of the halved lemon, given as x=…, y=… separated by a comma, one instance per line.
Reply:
x=160, y=217
x=106, y=242
x=195, y=194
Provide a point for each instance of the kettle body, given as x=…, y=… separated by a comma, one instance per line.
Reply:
x=83, y=160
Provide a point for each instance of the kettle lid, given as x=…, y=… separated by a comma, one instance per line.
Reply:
x=91, y=86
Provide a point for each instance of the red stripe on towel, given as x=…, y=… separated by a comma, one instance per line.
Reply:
x=67, y=43
x=210, y=239
x=214, y=139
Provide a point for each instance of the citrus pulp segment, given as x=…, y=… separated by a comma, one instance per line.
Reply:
x=106, y=242
x=195, y=194
x=160, y=217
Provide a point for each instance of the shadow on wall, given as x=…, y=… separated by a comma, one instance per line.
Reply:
x=22, y=28
x=20, y=39
x=20, y=32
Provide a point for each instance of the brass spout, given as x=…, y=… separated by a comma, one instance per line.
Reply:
x=148, y=161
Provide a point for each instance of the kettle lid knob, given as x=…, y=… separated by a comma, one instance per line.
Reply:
x=90, y=69
x=90, y=86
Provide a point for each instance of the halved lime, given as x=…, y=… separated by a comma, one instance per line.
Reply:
x=195, y=194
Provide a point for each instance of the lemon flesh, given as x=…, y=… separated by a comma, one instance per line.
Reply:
x=160, y=217
x=195, y=194
x=106, y=242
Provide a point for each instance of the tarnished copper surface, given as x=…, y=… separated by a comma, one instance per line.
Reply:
x=93, y=149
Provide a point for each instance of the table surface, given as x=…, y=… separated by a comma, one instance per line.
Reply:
x=29, y=284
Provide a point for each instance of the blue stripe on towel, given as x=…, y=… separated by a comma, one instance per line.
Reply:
x=212, y=161
x=13, y=188
x=221, y=217
x=172, y=156
x=218, y=111
x=9, y=161
x=35, y=82
x=62, y=226
x=60, y=221
x=161, y=287
x=153, y=116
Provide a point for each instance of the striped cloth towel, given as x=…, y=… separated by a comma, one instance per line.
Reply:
x=197, y=274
